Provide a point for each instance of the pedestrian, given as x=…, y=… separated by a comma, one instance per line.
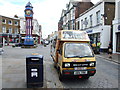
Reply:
x=98, y=47
x=110, y=50
x=94, y=47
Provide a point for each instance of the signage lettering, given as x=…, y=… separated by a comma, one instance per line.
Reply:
x=118, y=27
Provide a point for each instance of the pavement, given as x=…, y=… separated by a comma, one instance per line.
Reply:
x=115, y=57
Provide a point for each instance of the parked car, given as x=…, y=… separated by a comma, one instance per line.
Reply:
x=18, y=45
x=46, y=42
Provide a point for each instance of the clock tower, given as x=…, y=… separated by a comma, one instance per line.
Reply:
x=29, y=16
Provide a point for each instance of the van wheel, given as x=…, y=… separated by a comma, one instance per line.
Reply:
x=60, y=75
x=55, y=65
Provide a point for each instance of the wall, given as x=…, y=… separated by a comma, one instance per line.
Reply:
x=110, y=12
x=92, y=11
x=116, y=23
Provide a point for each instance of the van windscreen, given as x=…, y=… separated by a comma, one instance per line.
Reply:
x=73, y=50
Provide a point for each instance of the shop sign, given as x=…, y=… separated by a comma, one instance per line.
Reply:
x=118, y=27
x=74, y=35
x=89, y=31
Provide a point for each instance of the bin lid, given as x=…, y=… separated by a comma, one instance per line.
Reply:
x=36, y=55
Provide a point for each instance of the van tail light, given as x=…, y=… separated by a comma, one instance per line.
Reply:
x=80, y=76
x=67, y=73
x=92, y=71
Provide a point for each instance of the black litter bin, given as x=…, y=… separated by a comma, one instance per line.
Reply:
x=34, y=71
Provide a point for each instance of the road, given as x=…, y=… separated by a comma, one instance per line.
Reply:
x=13, y=71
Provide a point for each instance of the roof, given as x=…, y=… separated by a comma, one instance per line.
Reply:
x=28, y=5
x=10, y=17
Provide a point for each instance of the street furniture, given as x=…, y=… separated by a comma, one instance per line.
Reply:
x=34, y=70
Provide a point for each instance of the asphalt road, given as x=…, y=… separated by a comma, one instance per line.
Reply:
x=13, y=71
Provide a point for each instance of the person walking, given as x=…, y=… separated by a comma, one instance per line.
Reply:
x=94, y=47
x=110, y=50
x=98, y=47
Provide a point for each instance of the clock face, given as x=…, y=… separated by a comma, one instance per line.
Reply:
x=28, y=12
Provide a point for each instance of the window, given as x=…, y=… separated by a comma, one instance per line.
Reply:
x=3, y=21
x=10, y=30
x=73, y=50
x=82, y=24
x=98, y=17
x=91, y=16
x=16, y=23
x=4, y=29
x=85, y=22
x=16, y=31
x=78, y=25
x=9, y=22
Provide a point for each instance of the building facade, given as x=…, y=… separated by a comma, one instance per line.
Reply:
x=116, y=29
x=80, y=8
x=97, y=22
x=10, y=29
x=71, y=13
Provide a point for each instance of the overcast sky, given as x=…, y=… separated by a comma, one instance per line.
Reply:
x=47, y=12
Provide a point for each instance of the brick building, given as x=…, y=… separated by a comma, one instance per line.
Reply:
x=9, y=29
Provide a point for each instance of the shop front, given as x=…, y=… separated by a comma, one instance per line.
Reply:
x=11, y=38
x=102, y=34
x=116, y=38
x=94, y=38
x=118, y=42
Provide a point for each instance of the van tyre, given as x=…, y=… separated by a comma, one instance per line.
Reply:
x=60, y=75
x=55, y=65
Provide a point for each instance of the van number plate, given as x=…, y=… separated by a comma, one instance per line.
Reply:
x=80, y=72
